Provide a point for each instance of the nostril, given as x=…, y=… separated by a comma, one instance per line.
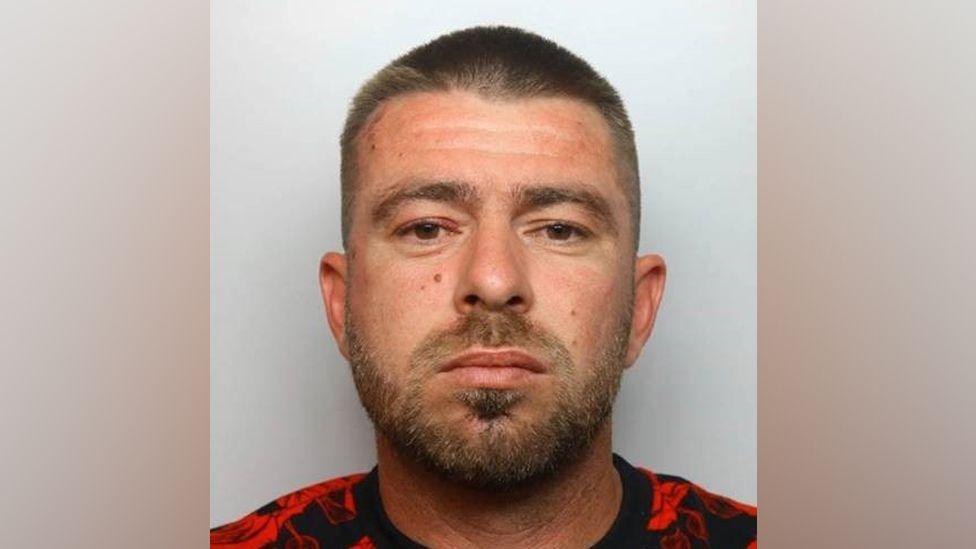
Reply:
x=473, y=300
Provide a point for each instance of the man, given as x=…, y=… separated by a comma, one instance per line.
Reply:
x=488, y=302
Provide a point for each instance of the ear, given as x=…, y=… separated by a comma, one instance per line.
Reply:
x=649, y=275
x=332, y=279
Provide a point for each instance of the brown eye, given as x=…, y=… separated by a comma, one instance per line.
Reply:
x=558, y=231
x=426, y=231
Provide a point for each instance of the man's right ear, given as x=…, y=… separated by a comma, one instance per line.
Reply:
x=332, y=279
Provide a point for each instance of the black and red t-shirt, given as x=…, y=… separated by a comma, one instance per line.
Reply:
x=656, y=511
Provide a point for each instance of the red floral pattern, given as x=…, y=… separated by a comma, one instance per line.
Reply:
x=263, y=526
x=680, y=520
x=364, y=543
x=675, y=540
x=667, y=499
x=325, y=515
x=251, y=532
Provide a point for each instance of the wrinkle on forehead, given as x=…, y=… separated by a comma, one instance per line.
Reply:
x=459, y=121
x=539, y=141
x=492, y=145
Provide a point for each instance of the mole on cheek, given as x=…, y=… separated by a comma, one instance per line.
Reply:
x=422, y=287
x=437, y=277
x=572, y=313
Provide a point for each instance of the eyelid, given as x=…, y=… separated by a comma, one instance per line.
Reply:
x=582, y=232
x=543, y=223
x=441, y=222
x=403, y=234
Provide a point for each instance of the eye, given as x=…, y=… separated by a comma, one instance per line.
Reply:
x=560, y=231
x=425, y=231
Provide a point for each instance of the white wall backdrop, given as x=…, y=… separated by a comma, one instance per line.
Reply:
x=283, y=409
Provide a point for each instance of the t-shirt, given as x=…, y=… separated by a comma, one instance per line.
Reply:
x=655, y=511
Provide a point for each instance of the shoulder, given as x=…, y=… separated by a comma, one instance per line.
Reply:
x=684, y=513
x=329, y=503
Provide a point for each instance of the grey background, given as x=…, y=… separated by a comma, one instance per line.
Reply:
x=284, y=412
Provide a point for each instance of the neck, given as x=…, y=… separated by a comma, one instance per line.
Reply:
x=574, y=508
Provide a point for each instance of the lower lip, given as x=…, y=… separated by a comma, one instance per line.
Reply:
x=493, y=376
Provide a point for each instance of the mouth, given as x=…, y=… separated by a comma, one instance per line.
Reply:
x=496, y=359
x=494, y=369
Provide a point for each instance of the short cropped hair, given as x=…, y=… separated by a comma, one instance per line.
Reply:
x=497, y=63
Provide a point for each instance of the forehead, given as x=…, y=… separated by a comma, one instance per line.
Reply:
x=490, y=143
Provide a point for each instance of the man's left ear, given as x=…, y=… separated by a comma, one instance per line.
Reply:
x=649, y=275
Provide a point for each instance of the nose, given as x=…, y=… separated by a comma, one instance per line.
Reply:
x=494, y=275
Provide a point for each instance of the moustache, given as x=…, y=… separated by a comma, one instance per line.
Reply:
x=491, y=330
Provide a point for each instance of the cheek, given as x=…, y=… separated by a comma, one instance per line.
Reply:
x=580, y=304
x=397, y=305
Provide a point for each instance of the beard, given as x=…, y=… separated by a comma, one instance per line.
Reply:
x=507, y=451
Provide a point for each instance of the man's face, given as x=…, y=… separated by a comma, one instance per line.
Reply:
x=487, y=296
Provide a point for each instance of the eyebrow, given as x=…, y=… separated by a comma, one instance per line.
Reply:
x=537, y=197
x=451, y=192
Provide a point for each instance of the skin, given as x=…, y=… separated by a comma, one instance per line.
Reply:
x=416, y=268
